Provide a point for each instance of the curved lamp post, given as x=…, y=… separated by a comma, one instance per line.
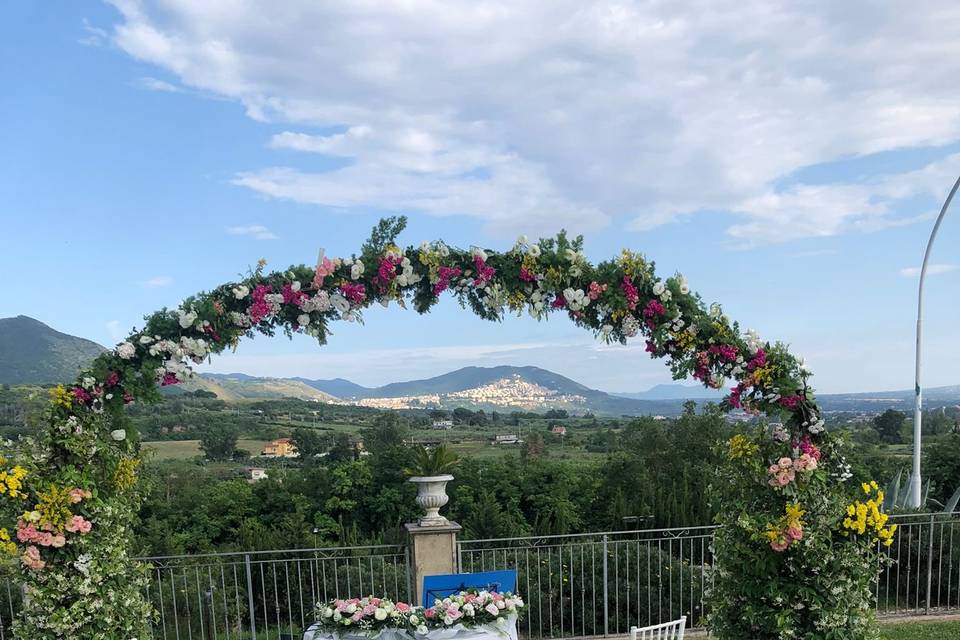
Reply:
x=916, y=491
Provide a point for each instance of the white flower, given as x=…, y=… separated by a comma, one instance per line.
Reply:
x=336, y=616
x=118, y=434
x=816, y=427
x=606, y=330
x=241, y=292
x=479, y=253
x=187, y=318
x=631, y=326
x=126, y=350
x=444, y=250
x=422, y=630
x=534, y=250
x=414, y=620
x=295, y=286
x=145, y=339
x=351, y=609
x=380, y=614
x=447, y=620
x=666, y=295
x=340, y=303
x=684, y=286
x=319, y=302
x=328, y=612
x=240, y=319
x=303, y=319
x=468, y=610
x=659, y=288
x=356, y=270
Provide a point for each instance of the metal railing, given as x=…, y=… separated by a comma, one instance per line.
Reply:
x=267, y=594
x=601, y=584
x=578, y=585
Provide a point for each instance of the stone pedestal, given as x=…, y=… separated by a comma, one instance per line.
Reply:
x=433, y=552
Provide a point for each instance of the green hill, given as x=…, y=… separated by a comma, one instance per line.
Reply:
x=33, y=353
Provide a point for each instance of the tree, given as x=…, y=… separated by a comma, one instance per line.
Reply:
x=556, y=414
x=942, y=466
x=889, y=425
x=308, y=442
x=218, y=442
x=533, y=447
x=342, y=449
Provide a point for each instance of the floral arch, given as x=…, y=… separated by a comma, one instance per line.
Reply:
x=74, y=490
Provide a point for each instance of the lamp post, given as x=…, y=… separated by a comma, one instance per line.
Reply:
x=916, y=497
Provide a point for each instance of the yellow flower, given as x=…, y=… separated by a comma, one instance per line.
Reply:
x=866, y=488
x=61, y=397
x=741, y=447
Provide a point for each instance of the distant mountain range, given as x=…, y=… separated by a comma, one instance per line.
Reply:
x=33, y=353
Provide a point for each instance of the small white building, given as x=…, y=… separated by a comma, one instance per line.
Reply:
x=506, y=439
x=256, y=473
x=443, y=424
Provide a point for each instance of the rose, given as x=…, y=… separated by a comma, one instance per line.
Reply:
x=126, y=350
x=492, y=609
x=118, y=434
x=380, y=614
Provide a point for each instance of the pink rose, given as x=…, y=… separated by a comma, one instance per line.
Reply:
x=402, y=607
x=779, y=546
x=375, y=601
x=794, y=533
x=429, y=613
x=785, y=463
x=58, y=541
x=492, y=609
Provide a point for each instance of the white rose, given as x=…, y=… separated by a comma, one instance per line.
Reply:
x=295, y=286
x=187, y=319
x=126, y=350
x=118, y=435
x=380, y=614
x=328, y=612
x=666, y=295
x=414, y=620
x=241, y=292
x=468, y=609
x=303, y=319
x=480, y=253
x=684, y=287
x=351, y=609
x=501, y=604
x=658, y=288
x=336, y=616
x=356, y=270
x=145, y=339
x=534, y=250
x=422, y=630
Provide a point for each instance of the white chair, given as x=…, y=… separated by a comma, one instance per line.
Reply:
x=666, y=631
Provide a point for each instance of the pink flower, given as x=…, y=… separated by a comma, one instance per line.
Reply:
x=596, y=290
x=292, y=297
x=113, y=378
x=168, y=379
x=652, y=311
x=430, y=613
x=785, y=463
x=492, y=609
x=355, y=292
x=725, y=351
x=402, y=607
x=374, y=601
x=78, y=524
x=58, y=541
x=454, y=614
x=630, y=292
x=779, y=545
x=527, y=276
x=445, y=274
x=484, y=272
x=356, y=617
x=76, y=495
x=325, y=267
x=81, y=395
x=794, y=533
x=790, y=402
x=386, y=272
x=31, y=558
x=559, y=302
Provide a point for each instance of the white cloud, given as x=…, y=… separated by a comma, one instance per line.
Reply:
x=932, y=269
x=155, y=84
x=115, y=330
x=256, y=231
x=93, y=36
x=552, y=113
x=158, y=281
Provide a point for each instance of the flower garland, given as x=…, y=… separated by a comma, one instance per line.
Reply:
x=371, y=615
x=88, y=446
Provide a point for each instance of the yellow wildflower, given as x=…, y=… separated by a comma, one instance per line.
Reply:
x=61, y=397
x=741, y=447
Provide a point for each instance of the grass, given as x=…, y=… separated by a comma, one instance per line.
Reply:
x=932, y=630
x=186, y=449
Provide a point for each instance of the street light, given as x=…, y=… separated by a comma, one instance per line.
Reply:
x=916, y=497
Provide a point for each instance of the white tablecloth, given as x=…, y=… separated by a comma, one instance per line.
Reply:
x=456, y=632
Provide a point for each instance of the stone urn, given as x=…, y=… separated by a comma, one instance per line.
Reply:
x=431, y=496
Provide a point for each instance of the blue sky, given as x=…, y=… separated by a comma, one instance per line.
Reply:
x=152, y=150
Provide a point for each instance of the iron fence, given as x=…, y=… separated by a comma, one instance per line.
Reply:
x=578, y=585
x=270, y=594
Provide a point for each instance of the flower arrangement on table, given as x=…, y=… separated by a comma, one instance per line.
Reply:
x=372, y=615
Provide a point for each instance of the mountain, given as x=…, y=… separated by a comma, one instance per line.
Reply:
x=33, y=353
x=337, y=387
x=675, y=392
x=235, y=387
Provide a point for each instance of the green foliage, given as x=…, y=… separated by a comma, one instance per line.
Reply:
x=890, y=425
x=433, y=462
x=942, y=466
x=218, y=442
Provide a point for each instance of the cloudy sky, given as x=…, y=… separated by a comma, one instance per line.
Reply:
x=787, y=157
